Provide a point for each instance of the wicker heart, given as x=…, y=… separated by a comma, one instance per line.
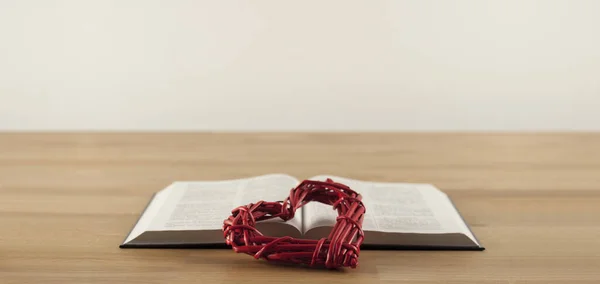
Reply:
x=340, y=248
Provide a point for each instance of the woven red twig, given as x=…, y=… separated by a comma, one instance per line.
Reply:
x=340, y=249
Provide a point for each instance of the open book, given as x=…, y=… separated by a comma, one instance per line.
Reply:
x=402, y=215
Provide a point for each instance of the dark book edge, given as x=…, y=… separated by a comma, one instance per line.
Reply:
x=177, y=245
x=432, y=247
x=123, y=244
x=363, y=247
x=479, y=246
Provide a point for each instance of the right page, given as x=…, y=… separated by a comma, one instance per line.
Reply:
x=393, y=209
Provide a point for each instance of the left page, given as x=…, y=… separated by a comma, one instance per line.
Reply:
x=204, y=205
x=149, y=214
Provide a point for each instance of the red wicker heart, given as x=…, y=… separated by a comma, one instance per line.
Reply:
x=340, y=249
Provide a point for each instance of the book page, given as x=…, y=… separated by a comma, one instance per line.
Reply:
x=204, y=205
x=318, y=214
x=394, y=207
x=271, y=188
x=149, y=213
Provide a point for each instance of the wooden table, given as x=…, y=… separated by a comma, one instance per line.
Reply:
x=67, y=201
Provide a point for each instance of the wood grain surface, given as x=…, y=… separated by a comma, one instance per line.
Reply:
x=68, y=200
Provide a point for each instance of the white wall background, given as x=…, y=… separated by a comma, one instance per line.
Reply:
x=299, y=65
